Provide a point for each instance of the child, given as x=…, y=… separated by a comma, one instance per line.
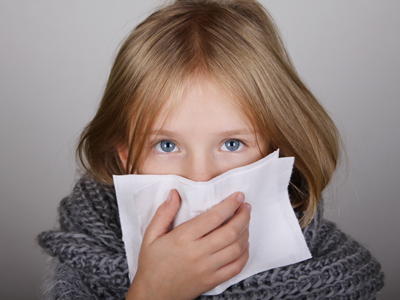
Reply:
x=198, y=88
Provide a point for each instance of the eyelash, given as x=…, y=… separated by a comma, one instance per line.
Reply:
x=164, y=140
x=156, y=143
x=233, y=139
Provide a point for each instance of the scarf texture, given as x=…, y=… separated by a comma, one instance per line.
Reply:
x=89, y=260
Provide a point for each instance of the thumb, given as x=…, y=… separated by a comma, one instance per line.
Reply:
x=163, y=217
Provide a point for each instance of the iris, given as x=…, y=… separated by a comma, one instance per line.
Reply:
x=232, y=145
x=167, y=146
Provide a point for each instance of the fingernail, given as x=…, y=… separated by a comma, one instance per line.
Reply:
x=248, y=207
x=240, y=198
x=169, y=197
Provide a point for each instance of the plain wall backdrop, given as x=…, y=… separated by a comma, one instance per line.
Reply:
x=54, y=60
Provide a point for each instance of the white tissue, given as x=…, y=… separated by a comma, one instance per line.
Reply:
x=275, y=236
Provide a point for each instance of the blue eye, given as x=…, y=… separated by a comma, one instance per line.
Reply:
x=166, y=146
x=232, y=145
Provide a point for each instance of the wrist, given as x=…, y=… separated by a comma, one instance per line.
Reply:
x=137, y=291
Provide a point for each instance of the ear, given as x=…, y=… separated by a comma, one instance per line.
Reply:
x=123, y=154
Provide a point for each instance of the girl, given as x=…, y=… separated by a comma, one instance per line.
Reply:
x=198, y=88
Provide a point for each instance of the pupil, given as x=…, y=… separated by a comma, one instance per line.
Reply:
x=232, y=145
x=167, y=146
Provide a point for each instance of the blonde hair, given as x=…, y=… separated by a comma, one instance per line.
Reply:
x=235, y=43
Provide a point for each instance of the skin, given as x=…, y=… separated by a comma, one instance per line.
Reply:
x=197, y=255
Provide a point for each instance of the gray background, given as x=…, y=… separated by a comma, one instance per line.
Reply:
x=54, y=61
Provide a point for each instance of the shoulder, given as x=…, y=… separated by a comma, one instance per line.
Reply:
x=87, y=249
x=340, y=268
x=340, y=265
x=91, y=202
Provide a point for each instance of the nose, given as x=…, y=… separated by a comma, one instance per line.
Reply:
x=201, y=168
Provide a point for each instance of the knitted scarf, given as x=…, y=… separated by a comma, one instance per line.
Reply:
x=89, y=260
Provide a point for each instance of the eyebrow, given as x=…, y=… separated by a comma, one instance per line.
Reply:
x=222, y=133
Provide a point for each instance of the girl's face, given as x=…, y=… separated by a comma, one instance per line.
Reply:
x=204, y=137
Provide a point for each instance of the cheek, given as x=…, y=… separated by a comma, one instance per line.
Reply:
x=231, y=161
x=217, y=164
x=257, y=155
x=156, y=164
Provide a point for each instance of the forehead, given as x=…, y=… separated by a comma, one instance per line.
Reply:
x=203, y=106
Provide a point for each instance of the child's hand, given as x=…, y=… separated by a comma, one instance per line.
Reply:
x=194, y=257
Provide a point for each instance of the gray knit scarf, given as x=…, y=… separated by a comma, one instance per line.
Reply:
x=89, y=259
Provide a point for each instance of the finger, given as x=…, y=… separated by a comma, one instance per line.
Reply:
x=234, y=268
x=229, y=232
x=214, y=217
x=230, y=253
x=162, y=218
